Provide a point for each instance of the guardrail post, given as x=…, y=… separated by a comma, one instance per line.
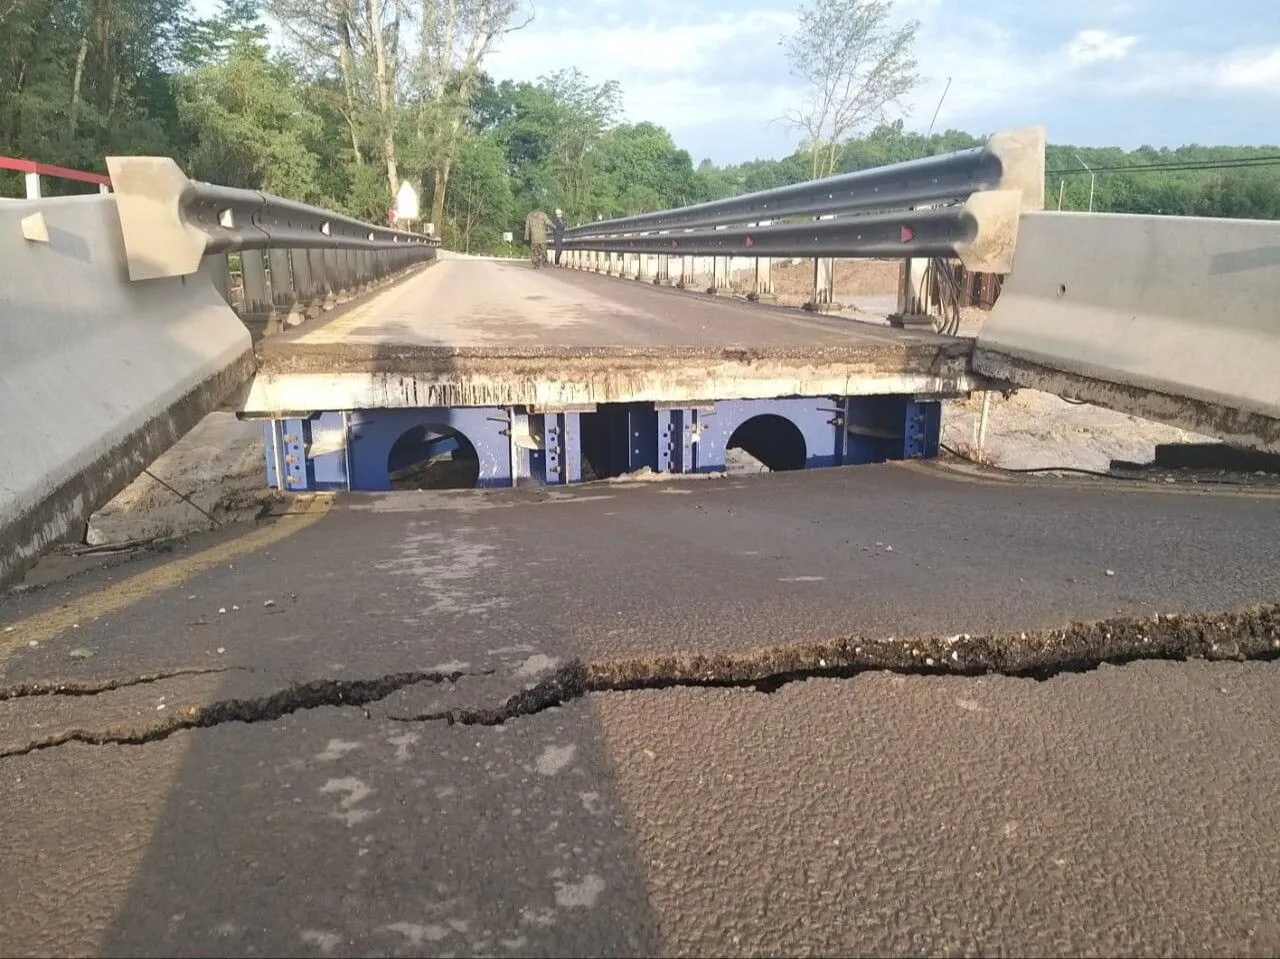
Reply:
x=720, y=285
x=686, y=272
x=762, y=291
x=323, y=282
x=315, y=288
x=648, y=268
x=284, y=298
x=824, y=285
x=350, y=273
x=915, y=294
x=33, y=186
x=256, y=312
x=824, y=281
x=764, y=281
x=362, y=270
x=333, y=278
x=303, y=287
x=217, y=269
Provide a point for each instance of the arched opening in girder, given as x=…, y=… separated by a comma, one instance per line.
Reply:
x=773, y=440
x=433, y=456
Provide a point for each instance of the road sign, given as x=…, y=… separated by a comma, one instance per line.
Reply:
x=407, y=207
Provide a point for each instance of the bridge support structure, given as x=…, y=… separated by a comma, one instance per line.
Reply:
x=495, y=447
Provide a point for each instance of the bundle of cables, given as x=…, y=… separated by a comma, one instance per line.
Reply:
x=942, y=286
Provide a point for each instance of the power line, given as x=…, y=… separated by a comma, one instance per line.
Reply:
x=1180, y=166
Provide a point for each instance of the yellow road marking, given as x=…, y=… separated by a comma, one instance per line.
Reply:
x=1119, y=485
x=117, y=596
x=347, y=321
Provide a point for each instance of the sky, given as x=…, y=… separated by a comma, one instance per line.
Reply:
x=1094, y=72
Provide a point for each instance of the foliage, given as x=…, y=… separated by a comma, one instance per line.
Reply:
x=856, y=65
x=322, y=122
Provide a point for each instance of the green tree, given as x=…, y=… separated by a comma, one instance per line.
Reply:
x=479, y=203
x=856, y=65
x=248, y=125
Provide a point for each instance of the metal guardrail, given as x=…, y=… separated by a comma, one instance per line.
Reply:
x=170, y=223
x=976, y=197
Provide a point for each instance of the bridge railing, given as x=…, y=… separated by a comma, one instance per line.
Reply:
x=277, y=262
x=34, y=173
x=965, y=205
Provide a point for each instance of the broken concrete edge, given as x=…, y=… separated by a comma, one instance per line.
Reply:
x=289, y=395
x=60, y=515
x=287, y=354
x=1251, y=635
x=1246, y=428
x=364, y=377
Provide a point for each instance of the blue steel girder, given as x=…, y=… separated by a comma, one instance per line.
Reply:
x=373, y=435
x=814, y=421
x=359, y=451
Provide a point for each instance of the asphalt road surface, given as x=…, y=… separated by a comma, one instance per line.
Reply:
x=842, y=712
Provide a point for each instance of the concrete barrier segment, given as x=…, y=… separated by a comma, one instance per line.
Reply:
x=98, y=374
x=1169, y=318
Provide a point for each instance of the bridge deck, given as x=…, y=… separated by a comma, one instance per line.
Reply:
x=491, y=333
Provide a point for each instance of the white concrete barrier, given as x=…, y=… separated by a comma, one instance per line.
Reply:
x=1175, y=319
x=98, y=374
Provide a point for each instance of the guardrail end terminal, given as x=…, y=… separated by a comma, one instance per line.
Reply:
x=997, y=214
x=1021, y=155
x=157, y=241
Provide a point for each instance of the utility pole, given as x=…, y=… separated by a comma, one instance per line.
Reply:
x=937, y=108
x=1093, y=179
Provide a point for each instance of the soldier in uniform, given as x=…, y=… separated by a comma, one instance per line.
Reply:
x=536, y=227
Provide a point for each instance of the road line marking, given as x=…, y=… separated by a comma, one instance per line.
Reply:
x=114, y=597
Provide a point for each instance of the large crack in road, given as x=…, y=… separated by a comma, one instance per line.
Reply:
x=1250, y=635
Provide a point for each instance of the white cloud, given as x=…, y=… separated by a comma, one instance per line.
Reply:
x=716, y=76
x=1253, y=71
x=640, y=49
x=1092, y=46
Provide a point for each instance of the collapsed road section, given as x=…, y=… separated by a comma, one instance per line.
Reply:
x=544, y=378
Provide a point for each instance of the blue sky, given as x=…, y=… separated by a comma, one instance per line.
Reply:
x=1094, y=72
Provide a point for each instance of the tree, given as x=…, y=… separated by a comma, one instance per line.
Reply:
x=479, y=201
x=857, y=65
x=455, y=36
x=249, y=126
x=359, y=43
x=637, y=168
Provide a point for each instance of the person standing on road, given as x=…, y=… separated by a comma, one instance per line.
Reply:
x=536, y=227
x=557, y=237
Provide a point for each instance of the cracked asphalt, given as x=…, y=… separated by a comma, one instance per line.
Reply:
x=873, y=711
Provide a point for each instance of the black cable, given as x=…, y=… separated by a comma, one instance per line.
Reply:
x=1036, y=469
x=1182, y=166
x=1199, y=480
x=941, y=285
